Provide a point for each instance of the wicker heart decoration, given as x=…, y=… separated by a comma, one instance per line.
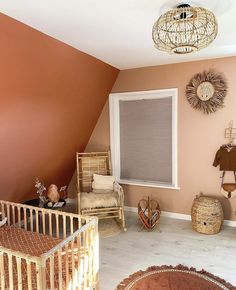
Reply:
x=149, y=212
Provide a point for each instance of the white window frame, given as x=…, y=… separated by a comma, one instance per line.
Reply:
x=114, y=111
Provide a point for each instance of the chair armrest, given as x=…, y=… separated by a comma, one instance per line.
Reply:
x=119, y=189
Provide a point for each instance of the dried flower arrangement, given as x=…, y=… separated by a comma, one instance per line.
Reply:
x=40, y=187
x=53, y=195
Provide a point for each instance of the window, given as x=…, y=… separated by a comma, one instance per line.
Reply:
x=143, y=132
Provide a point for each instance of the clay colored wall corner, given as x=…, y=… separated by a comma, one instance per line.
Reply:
x=51, y=96
x=199, y=135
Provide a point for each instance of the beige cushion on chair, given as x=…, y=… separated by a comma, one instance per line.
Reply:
x=89, y=200
x=103, y=182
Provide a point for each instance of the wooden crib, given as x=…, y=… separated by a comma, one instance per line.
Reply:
x=47, y=249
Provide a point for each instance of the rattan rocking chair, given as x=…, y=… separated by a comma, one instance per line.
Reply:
x=89, y=203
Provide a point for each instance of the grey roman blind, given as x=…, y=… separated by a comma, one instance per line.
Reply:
x=146, y=140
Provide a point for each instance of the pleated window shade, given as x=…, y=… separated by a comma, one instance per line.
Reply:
x=146, y=140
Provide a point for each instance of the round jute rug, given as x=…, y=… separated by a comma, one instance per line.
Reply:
x=173, y=278
x=108, y=228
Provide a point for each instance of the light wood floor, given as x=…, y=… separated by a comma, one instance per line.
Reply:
x=128, y=252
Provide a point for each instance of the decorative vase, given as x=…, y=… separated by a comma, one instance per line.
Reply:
x=53, y=194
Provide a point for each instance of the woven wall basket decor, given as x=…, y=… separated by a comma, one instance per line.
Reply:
x=206, y=91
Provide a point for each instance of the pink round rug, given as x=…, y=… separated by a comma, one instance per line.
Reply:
x=173, y=278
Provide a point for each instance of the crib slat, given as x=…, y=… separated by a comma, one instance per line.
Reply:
x=2, y=271
x=80, y=276
x=78, y=245
x=85, y=261
x=3, y=211
x=52, y=272
x=39, y=277
x=44, y=284
x=71, y=225
x=60, y=286
x=25, y=219
x=64, y=226
x=8, y=215
x=57, y=225
x=78, y=261
x=73, y=263
x=37, y=220
x=18, y=216
x=31, y=220
x=19, y=275
x=43, y=220
x=90, y=256
x=13, y=215
x=10, y=271
x=29, y=278
x=50, y=224
x=79, y=223
x=67, y=266
x=95, y=255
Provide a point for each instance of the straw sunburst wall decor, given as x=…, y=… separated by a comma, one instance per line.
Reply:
x=206, y=91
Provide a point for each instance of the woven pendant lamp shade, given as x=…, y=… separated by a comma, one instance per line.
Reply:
x=184, y=30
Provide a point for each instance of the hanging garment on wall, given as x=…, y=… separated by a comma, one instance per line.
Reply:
x=226, y=158
x=228, y=189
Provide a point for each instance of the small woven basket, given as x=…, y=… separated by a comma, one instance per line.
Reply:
x=207, y=215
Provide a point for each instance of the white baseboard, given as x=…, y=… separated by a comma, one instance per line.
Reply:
x=178, y=216
x=130, y=208
x=230, y=223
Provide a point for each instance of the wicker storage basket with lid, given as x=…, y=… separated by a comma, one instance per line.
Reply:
x=207, y=215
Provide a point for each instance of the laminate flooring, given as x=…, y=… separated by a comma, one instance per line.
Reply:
x=176, y=244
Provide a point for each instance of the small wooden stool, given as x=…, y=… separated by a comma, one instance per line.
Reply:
x=149, y=213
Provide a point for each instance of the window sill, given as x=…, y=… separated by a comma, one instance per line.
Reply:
x=148, y=184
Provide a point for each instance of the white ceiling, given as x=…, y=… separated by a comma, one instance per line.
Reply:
x=119, y=31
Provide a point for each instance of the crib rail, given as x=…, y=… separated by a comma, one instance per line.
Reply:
x=12, y=264
x=71, y=264
x=79, y=255
x=41, y=220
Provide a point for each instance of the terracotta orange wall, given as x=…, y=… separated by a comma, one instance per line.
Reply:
x=199, y=135
x=51, y=96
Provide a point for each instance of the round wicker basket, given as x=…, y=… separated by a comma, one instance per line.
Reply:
x=207, y=215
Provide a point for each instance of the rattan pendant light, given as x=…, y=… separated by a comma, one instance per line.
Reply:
x=184, y=29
